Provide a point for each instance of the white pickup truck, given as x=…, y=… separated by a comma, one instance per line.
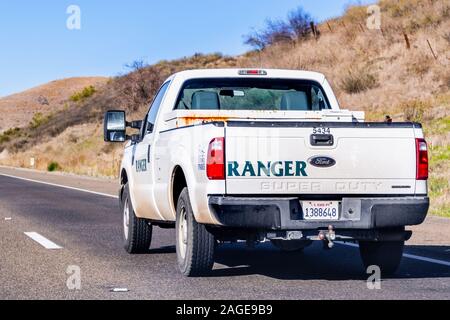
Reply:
x=267, y=155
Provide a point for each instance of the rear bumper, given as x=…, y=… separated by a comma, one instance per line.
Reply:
x=286, y=213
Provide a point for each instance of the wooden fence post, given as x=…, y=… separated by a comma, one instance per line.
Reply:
x=313, y=28
x=329, y=27
x=431, y=49
x=408, y=44
x=362, y=28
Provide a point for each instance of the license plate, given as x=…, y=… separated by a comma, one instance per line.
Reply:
x=320, y=210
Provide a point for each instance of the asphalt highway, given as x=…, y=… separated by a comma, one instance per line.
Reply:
x=64, y=243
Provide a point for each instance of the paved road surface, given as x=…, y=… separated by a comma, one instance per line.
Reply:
x=88, y=228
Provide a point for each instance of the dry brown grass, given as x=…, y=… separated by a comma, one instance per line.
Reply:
x=79, y=149
x=357, y=81
x=402, y=74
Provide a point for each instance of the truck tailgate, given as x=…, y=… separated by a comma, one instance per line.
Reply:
x=282, y=158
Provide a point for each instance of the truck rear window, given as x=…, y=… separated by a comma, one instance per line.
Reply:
x=252, y=94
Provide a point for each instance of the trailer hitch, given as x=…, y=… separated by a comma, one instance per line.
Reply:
x=328, y=237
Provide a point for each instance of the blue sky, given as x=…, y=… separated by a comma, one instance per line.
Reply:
x=36, y=46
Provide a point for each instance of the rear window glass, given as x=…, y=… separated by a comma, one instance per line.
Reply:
x=252, y=94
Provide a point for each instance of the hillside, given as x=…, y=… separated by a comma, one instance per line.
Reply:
x=45, y=99
x=402, y=70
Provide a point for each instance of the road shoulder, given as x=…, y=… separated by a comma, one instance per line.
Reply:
x=99, y=185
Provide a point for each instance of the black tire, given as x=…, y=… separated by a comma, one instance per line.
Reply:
x=195, y=245
x=385, y=254
x=291, y=245
x=137, y=232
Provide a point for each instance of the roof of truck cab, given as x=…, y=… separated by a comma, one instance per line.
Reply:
x=234, y=73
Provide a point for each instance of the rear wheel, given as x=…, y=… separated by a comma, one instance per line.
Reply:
x=387, y=255
x=137, y=232
x=195, y=245
x=291, y=245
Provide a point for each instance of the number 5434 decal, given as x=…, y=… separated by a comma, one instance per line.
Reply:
x=321, y=130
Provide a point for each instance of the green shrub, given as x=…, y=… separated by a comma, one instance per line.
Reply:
x=438, y=186
x=53, y=166
x=413, y=110
x=398, y=8
x=9, y=134
x=38, y=120
x=442, y=211
x=439, y=155
x=4, y=139
x=437, y=126
x=297, y=27
x=359, y=81
x=84, y=94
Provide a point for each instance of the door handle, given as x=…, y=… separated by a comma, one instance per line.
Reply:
x=322, y=140
x=148, y=153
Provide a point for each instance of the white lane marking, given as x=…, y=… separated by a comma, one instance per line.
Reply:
x=61, y=186
x=409, y=256
x=441, y=262
x=47, y=244
x=348, y=244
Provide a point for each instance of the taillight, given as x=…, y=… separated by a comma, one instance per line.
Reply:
x=215, y=166
x=422, y=159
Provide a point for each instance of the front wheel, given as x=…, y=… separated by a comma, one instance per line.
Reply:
x=195, y=245
x=137, y=232
x=387, y=255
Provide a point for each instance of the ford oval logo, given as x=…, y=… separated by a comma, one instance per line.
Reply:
x=322, y=162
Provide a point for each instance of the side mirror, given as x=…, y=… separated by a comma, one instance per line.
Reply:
x=115, y=126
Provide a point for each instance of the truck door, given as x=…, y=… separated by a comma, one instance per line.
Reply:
x=143, y=160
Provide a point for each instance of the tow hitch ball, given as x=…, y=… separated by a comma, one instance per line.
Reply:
x=328, y=237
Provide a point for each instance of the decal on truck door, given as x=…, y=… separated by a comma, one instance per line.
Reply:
x=141, y=165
